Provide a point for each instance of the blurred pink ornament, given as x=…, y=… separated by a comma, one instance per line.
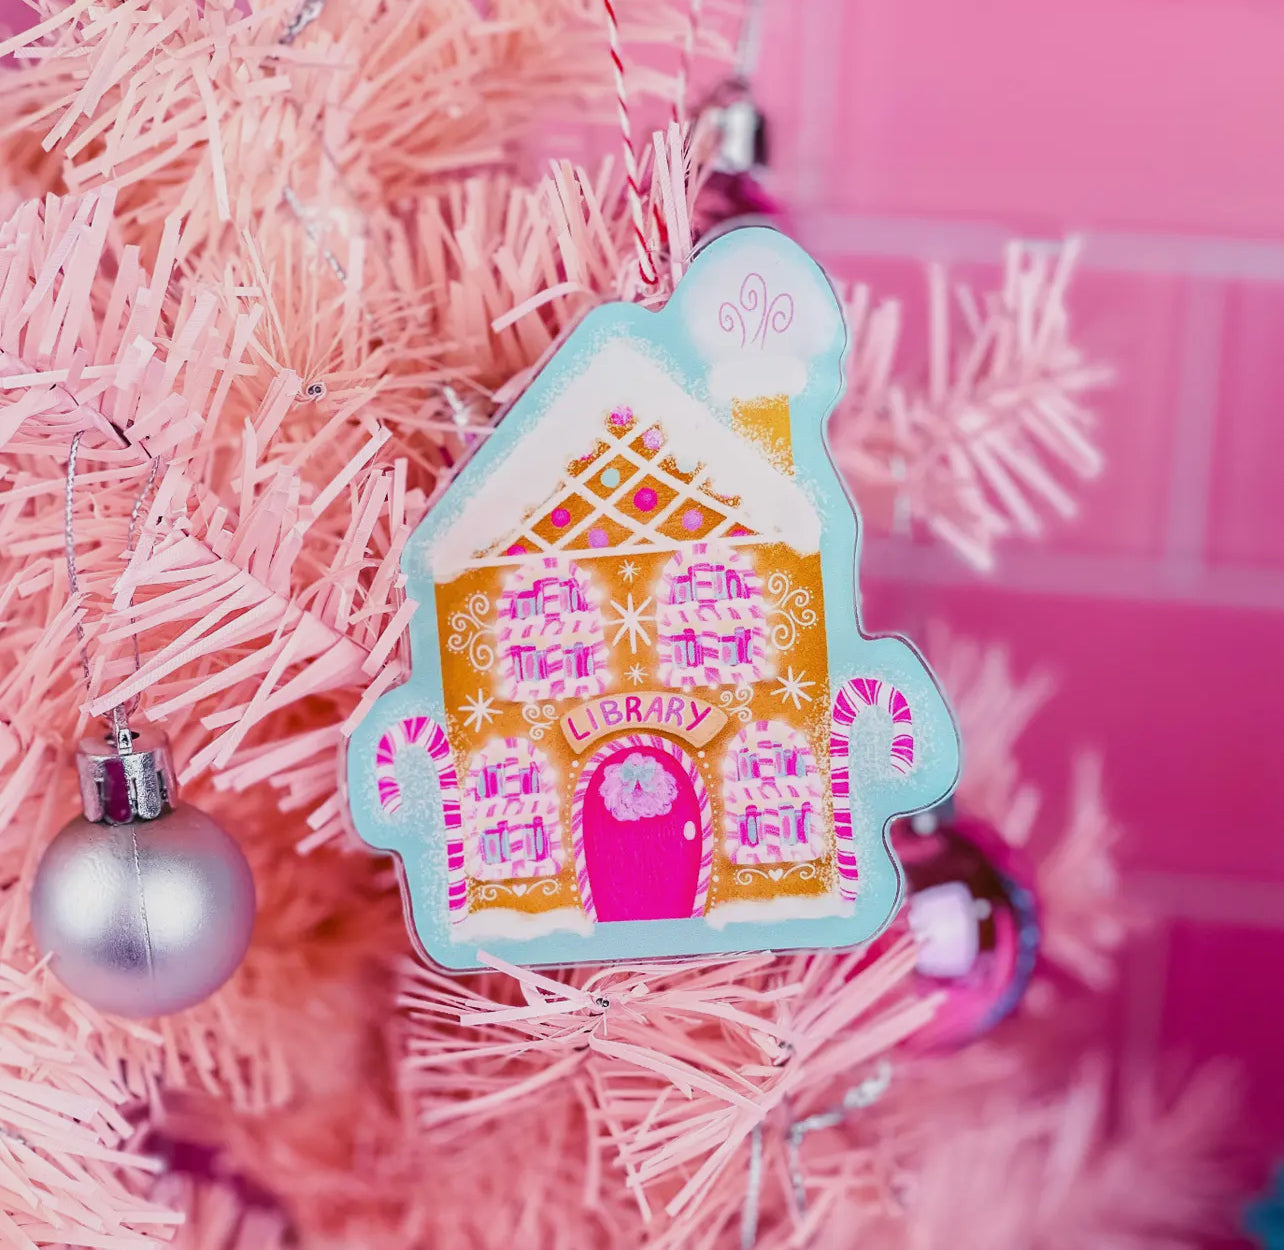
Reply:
x=971, y=909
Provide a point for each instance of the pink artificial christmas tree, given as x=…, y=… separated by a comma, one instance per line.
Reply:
x=294, y=256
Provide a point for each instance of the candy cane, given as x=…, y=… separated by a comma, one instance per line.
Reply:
x=853, y=697
x=426, y=735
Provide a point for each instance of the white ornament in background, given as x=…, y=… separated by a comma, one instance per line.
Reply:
x=944, y=918
x=794, y=688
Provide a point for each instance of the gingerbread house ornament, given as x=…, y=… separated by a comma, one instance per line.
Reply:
x=643, y=719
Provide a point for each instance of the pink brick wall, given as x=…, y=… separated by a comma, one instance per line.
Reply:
x=921, y=129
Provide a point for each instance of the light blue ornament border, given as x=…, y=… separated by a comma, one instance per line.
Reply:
x=416, y=833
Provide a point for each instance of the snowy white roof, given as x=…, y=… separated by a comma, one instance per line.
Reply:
x=535, y=470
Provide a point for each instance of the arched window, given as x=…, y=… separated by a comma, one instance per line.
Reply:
x=551, y=639
x=514, y=811
x=772, y=796
x=711, y=620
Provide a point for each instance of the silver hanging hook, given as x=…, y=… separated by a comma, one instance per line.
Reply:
x=120, y=732
x=860, y=1096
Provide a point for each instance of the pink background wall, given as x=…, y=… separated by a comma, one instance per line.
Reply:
x=916, y=129
x=913, y=129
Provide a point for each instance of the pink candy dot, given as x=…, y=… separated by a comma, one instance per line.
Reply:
x=622, y=416
x=560, y=517
x=598, y=538
x=692, y=519
x=652, y=440
x=644, y=500
x=517, y=549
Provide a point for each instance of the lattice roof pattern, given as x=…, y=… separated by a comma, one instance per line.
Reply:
x=631, y=492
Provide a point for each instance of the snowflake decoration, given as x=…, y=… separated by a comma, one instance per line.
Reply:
x=480, y=711
x=628, y=571
x=794, y=688
x=630, y=621
x=637, y=674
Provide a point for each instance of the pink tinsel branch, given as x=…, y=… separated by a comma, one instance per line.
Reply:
x=675, y=1066
x=976, y=448
x=1086, y=914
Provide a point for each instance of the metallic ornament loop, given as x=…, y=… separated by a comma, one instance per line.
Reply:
x=126, y=776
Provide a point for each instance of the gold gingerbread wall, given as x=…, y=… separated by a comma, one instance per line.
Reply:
x=797, y=693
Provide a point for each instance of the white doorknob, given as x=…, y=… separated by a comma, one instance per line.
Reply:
x=688, y=830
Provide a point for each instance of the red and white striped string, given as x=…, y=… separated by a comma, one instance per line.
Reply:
x=646, y=262
x=682, y=84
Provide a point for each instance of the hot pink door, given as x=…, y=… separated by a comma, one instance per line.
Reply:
x=644, y=867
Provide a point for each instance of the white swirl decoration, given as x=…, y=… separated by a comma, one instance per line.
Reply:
x=736, y=702
x=538, y=718
x=472, y=633
x=493, y=891
x=789, y=610
x=757, y=314
x=751, y=875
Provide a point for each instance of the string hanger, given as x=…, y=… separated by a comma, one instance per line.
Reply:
x=646, y=260
x=120, y=714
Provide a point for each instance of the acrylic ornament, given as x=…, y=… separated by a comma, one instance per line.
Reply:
x=647, y=573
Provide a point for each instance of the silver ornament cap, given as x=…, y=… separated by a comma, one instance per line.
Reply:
x=144, y=904
x=741, y=130
x=126, y=776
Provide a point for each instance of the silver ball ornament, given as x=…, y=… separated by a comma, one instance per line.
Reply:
x=141, y=916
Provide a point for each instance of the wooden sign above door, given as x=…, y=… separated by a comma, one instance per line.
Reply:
x=689, y=718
